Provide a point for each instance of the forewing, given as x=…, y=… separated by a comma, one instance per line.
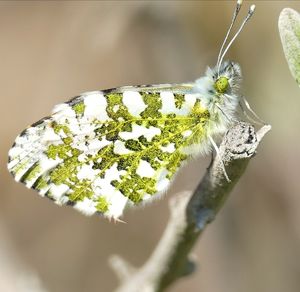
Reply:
x=104, y=150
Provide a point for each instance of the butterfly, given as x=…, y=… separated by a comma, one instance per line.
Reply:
x=103, y=151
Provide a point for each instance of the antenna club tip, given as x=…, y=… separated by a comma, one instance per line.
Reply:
x=252, y=8
x=239, y=2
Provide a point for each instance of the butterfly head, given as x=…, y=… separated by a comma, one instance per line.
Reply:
x=219, y=83
x=226, y=79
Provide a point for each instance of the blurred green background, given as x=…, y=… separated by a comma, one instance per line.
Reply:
x=52, y=51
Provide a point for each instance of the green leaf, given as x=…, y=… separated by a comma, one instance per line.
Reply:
x=289, y=30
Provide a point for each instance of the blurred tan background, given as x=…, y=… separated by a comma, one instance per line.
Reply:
x=52, y=51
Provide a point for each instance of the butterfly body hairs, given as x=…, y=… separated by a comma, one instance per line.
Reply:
x=103, y=151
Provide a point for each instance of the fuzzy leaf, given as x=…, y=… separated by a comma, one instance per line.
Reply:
x=289, y=29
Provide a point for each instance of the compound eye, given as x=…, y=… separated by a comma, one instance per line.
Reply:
x=222, y=84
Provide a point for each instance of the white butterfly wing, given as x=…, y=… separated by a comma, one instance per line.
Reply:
x=105, y=150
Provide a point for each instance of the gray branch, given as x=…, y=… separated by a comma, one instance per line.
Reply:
x=190, y=213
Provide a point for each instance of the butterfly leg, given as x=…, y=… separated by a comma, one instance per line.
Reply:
x=218, y=154
x=230, y=119
x=258, y=119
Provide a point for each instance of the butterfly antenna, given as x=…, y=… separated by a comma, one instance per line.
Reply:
x=250, y=13
x=235, y=14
